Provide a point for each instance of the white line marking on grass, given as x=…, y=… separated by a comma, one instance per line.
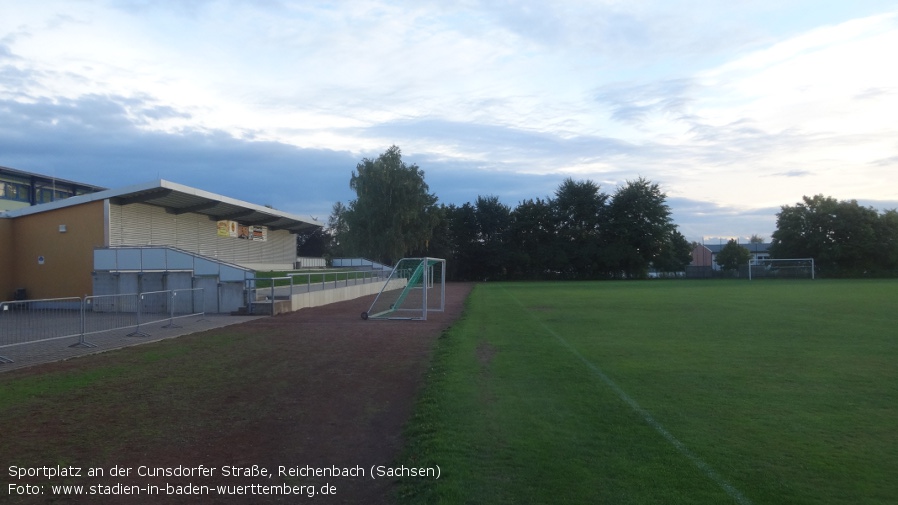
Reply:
x=701, y=465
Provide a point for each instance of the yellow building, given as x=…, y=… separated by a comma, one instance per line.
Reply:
x=157, y=235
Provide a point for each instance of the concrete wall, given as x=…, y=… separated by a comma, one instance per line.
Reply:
x=318, y=298
x=51, y=263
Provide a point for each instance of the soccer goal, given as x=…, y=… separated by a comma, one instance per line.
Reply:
x=415, y=287
x=783, y=268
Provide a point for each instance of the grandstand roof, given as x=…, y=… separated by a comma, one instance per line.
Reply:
x=180, y=199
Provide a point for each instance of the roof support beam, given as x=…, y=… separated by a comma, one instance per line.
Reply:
x=263, y=220
x=144, y=197
x=211, y=204
x=232, y=216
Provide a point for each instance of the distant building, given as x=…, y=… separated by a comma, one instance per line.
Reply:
x=704, y=257
x=20, y=189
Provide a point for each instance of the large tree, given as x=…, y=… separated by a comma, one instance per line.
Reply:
x=313, y=243
x=440, y=244
x=465, y=251
x=887, y=233
x=534, y=250
x=393, y=212
x=579, y=208
x=477, y=234
x=675, y=254
x=639, y=227
x=492, y=218
x=841, y=236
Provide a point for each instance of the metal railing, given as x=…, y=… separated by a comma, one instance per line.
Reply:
x=267, y=290
x=34, y=321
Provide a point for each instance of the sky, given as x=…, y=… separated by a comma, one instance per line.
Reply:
x=734, y=108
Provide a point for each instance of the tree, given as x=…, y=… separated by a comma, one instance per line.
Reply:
x=477, y=234
x=462, y=230
x=841, y=236
x=638, y=227
x=579, y=208
x=675, y=254
x=733, y=255
x=756, y=239
x=492, y=220
x=313, y=243
x=532, y=240
x=393, y=212
x=337, y=231
x=887, y=234
x=440, y=244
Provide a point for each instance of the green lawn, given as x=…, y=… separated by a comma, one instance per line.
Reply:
x=663, y=392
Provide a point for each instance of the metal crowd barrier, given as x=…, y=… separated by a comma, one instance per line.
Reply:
x=33, y=321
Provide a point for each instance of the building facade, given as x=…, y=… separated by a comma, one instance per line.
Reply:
x=20, y=189
x=156, y=234
x=704, y=257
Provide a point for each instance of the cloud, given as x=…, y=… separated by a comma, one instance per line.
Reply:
x=6, y=54
x=97, y=140
x=879, y=205
x=698, y=220
x=794, y=173
x=873, y=93
x=886, y=162
x=634, y=103
x=497, y=146
x=744, y=105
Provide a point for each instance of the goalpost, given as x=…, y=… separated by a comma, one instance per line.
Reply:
x=415, y=287
x=781, y=268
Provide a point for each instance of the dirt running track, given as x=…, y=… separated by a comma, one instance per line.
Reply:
x=327, y=389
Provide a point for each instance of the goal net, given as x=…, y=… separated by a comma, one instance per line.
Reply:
x=789, y=268
x=415, y=287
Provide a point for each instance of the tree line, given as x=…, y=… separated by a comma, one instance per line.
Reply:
x=844, y=238
x=579, y=233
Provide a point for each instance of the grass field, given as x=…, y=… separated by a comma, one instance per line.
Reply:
x=664, y=392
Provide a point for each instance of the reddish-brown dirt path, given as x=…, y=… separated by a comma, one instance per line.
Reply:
x=316, y=388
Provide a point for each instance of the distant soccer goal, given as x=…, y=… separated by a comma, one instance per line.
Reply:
x=782, y=268
x=415, y=287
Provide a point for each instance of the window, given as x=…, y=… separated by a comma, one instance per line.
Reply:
x=45, y=195
x=13, y=191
